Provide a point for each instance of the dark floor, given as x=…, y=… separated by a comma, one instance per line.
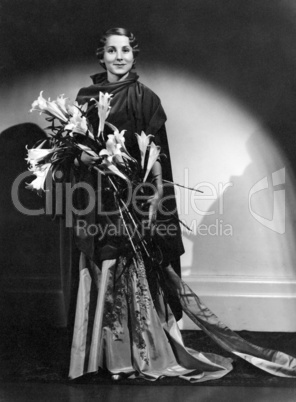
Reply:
x=32, y=392
x=34, y=365
x=39, y=353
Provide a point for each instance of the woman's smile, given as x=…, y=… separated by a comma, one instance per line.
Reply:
x=118, y=57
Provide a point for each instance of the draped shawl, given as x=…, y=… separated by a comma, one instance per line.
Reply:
x=136, y=108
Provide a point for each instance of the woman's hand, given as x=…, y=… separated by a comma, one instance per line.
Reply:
x=154, y=202
x=87, y=159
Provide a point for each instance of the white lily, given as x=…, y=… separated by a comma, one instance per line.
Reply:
x=120, y=139
x=61, y=102
x=79, y=127
x=104, y=107
x=113, y=150
x=107, y=165
x=75, y=108
x=111, y=158
x=154, y=152
x=77, y=122
x=113, y=147
x=35, y=155
x=41, y=174
x=49, y=107
x=143, y=142
x=111, y=168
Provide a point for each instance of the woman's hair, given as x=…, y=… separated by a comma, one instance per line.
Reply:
x=116, y=31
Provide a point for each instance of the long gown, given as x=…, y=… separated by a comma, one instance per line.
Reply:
x=124, y=321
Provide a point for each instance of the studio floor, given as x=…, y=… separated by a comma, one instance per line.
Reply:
x=33, y=392
x=34, y=367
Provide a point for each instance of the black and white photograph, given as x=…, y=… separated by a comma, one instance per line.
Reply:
x=147, y=202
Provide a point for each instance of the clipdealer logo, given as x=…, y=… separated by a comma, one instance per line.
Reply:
x=277, y=221
x=274, y=182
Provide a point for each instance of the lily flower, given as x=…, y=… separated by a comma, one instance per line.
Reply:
x=113, y=150
x=49, y=107
x=77, y=122
x=78, y=127
x=154, y=152
x=75, y=108
x=120, y=139
x=41, y=174
x=61, y=102
x=38, y=154
x=143, y=142
x=113, y=147
x=109, y=167
x=104, y=107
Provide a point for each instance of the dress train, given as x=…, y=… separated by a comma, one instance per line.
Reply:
x=121, y=327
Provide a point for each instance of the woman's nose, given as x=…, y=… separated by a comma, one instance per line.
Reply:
x=119, y=56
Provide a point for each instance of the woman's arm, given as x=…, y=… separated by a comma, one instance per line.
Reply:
x=158, y=192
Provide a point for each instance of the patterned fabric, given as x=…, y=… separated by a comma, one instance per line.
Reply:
x=120, y=327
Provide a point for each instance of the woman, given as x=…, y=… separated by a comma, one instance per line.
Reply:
x=124, y=321
x=134, y=108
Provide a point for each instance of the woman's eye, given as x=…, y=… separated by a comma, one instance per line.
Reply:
x=126, y=50
x=110, y=51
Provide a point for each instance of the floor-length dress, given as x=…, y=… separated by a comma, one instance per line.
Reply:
x=120, y=327
x=124, y=322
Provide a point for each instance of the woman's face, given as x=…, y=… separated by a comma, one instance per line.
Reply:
x=118, y=57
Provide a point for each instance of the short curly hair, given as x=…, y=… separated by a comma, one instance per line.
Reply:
x=116, y=31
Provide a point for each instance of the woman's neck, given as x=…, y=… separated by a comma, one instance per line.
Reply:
x=115, y=78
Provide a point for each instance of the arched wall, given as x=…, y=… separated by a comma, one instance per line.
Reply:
x=240, y=255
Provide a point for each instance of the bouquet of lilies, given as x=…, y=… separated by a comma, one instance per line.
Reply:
x=70, y=133
x=67, y=134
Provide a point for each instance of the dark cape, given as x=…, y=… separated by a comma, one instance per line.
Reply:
x=134, y=108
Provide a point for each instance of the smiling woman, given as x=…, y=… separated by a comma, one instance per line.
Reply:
x=134, y=108
x=117, y=55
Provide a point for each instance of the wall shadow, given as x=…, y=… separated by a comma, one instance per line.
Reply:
x=29, y=257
